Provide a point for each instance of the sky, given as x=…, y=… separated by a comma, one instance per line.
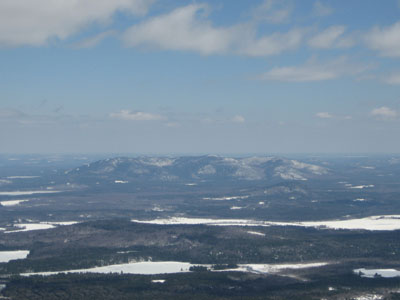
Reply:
x=221, y=76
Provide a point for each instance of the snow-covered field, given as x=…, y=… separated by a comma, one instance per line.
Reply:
x=6, y=256
x=385, y=222
x=12, y=202
x=370, y=273
x=22, y=193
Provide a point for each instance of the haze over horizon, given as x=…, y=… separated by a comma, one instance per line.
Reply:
x=174, y=76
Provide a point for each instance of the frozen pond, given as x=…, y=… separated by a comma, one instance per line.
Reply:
x=6, y=256
x=371, y=273
x=385, y=222
x=141, y=268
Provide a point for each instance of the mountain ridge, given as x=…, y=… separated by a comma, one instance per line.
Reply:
x=199, y=168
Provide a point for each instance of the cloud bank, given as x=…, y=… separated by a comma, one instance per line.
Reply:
x=34, y=23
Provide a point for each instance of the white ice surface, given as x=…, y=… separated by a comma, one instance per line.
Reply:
x=6, y=256
x=12, y=202
x=143, y=268
x=21, y=193
x=384, y=222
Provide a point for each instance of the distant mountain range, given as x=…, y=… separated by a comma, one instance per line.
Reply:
x=198, y=168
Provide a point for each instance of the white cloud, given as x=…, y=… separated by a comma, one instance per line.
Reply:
x=331, y=37
x=188, y=29
x=324, y=115
x=384, y=113
x=314, y=71
x=273, y=11
x=385, y=40
x=28, y=22
x=95, y=40
x=321, y=9
x=173, y=124
x=393, y=79
x=136, y=116
x=182, y=29
x=238, y=119
x=270, y=45
x=9, y=113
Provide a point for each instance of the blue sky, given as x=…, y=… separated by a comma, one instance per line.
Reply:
x=164, y=76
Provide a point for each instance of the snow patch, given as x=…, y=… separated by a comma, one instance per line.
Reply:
x=207, y=170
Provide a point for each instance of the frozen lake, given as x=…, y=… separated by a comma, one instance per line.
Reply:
x=168, y=267
x=22, y=193
x=371, y=273
x=39, y=226
x=6, y=256
x=384, y=222
x=13, y=202
x=142, y=268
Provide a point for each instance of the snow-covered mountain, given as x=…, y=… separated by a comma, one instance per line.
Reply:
x=199, y=168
